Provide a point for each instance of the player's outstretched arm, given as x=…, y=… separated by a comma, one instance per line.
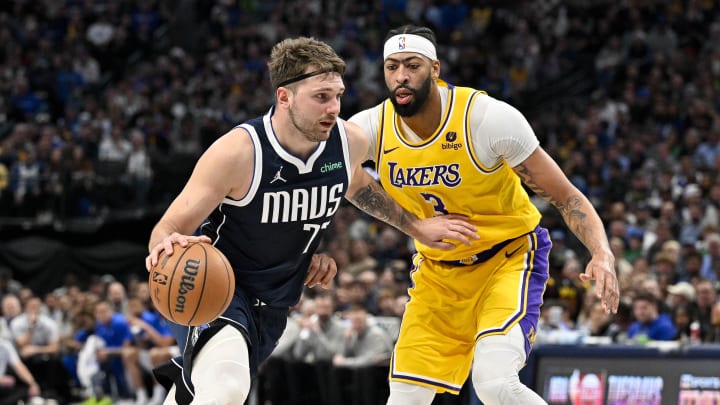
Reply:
x=221, y=171
x=442, y=232
x=540, y=172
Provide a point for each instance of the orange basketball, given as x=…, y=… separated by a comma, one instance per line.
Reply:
x=193, y=286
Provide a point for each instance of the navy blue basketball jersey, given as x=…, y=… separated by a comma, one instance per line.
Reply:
x=270, y=234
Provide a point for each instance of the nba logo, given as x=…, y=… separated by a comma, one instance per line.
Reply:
x=401, y=42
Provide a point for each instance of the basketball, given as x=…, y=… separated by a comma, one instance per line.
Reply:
x=193, y=286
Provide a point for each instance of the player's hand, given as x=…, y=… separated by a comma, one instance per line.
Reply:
x=444, y=232
x=602, y=269
x=167, y=246
x=321, y=272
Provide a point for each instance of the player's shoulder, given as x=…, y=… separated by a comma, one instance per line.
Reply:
x=235, y=142
x=486, y=106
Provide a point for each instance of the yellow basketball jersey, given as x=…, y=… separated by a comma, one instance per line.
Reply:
x=442, y=175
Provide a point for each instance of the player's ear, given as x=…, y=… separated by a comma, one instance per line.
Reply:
x=283, y=95
x=435, y=70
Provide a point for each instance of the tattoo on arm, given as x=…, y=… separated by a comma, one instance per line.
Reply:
x=376, y=202
x=571, y=209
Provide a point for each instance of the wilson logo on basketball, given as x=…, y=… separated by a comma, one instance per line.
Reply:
x=187, y=283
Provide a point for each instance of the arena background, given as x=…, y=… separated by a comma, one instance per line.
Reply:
x=623, y=94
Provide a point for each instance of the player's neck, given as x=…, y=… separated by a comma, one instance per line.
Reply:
x=426, y=121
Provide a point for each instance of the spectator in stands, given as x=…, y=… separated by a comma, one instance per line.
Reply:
x=114, y=330
x=692, y=264
x=396, y=277
x=342, y=291
x=694, y=222
x=56, y=182
x=649, y=322
x=365, y=347
x=554, y=316
x=139, y=169
x=400, y=304
x=115, y=147
x=37, y=339
x=357, y=294
x=153, y=343
x=12, y=391
x=705, y=297
x=10, y=308
x=623, y=268
x=389, y=245
x=711, y=259
x=364, y=344
x=25, y=294
x=117, y=296
x=714, y=333
x=83, y=326
x=321, y=337
x=369, y=280
x=112, y=162
x=25, y=102
x=360, y=258
x=663, y=269
x=58, y=308
x=651, y=285
x=141, y=291
x=571, y=289
x=620, y=323
x=663, y=233
x=26, y=182
x=321, y=334
x=386, y=302
x=560, y=252
x=598, y=322
x=682, y=316
x=682, y=293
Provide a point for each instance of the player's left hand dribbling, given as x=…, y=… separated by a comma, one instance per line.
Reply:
x=321, y=272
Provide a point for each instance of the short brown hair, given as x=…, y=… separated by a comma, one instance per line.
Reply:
x=291, y=57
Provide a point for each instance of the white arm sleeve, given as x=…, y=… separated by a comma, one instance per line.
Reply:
x=500, y=131
x=368, y=121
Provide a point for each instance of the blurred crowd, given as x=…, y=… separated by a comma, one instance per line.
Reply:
x=106, y=104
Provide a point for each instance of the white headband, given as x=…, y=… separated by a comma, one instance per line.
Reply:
x=409, y=43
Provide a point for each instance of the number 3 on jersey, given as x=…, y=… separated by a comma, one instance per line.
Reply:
x=437, y=203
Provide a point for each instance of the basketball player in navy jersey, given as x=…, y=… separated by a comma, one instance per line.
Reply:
x=269, y=189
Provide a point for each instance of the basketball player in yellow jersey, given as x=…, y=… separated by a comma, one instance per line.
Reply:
x=443, y=149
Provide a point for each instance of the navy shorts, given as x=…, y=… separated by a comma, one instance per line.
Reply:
x=260, y=324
